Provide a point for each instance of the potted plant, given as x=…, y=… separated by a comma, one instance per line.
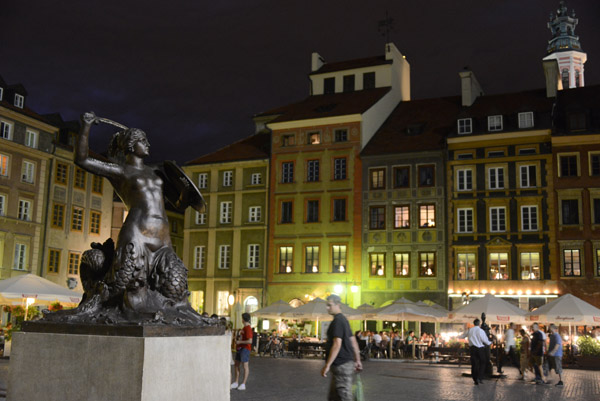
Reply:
x=589, y=353
x=17, y=316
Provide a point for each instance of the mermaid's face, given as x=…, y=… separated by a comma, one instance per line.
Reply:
x=141, y=146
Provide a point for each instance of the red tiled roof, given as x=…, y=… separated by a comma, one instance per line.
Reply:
x=254, y=147
x=415, y=125
x=330, y=105
x=352, y=64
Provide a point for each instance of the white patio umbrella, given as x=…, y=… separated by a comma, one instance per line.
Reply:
x=317, y=310
x=497, y=311
x=403, y=309
x=437, y=310
x=16, y=290
x=566, y=309
x=365, y=311
x=274, y=310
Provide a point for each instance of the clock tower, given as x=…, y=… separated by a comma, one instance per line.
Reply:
x=565, y=48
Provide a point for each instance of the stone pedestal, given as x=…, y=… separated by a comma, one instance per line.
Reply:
x=134, y=363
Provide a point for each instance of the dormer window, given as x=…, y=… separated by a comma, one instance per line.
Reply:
x=526, y=120
x=369, y=80
x=329, y=85
x=314, y=138
x=465, y=126
x=19, y=100
x=348, y=83
x=494, y=123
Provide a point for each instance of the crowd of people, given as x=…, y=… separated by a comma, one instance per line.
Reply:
x=391, y=344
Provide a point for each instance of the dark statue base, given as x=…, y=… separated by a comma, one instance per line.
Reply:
x=66, y=362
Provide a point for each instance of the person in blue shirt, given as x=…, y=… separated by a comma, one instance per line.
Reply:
x=555, y=351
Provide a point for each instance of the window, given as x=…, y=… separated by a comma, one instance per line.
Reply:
x=595, y=164
x=368, y=80
x=53, y=260
x=570, y=211
x=527, y=151
x=227, y=178
x=465, y=220
x=79, y=178
x=402, y=177
x=24, y=210
x=466, y=266
x=528, y=176
x=5, y=130
x=224, y=256
x=62, y=173
x=464, y=156
x=568, y=166
x=496, y=153
x=222, y=303
x=526, y=119
x=571, y=263
x=203, y=180
x=496, y=177
x=200, y=218
x=254, y=214
x=377, y=218
x=286, y=212
x=565, y=78
x=77, y=219
x=95, y=222
x=577, y=79
x=377, y=177
x=596, y=205
x=312, y=259
x=19, y=100
x=339, y=210
x=74, y=258
x=495, y=123
x=314, y=138
x=338, y=258
x=377, y=261
x=329, y=85
x=497, y=219
x=28, y=172
x=339, y=168
x=498, y=266
x=427, y=266
x=287, y=172
x=225, y=213
x=341, y=135
x=464, y=180
x=529, y=218
x=426, y=176
x=465, y=126
x=312, y=211
x=530, y=266
x=97, y=184
x=58, y=215
x=286, y=256
x=253, y=256
x=31, y=139
x=256, y=179
x=2, y=205
x=426, y=216
x=348, y=83
x=402, y=264
x=402, y=216
x=199, y=257
x=20, y=260
x=3, y=165
x=312, y=171
x=288, y=140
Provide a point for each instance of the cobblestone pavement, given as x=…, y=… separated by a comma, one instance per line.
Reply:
x=299, y=379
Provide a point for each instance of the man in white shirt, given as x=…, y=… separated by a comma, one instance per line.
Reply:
x=510, y=346
x=477, y=342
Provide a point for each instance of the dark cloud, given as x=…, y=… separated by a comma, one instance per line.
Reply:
x=192, y=73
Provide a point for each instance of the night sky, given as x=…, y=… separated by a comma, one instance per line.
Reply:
x=193, y=73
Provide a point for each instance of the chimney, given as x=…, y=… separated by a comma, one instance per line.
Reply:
x=553, y=81
x=470, y=87
x=316, y=62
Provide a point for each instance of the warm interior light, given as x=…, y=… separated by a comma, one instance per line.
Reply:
x=342, y=269
x=30, y=301
x=305, y=295
x=288, y=269
x=520, y=292
x=493, y=292
x=501, y=292
x=528, y=292
x=315, y=269
x=484, y=291
x=380, y=271
x=546, y=291
x=450, y=291
x=354, y=288
x=538, y=292
x=337, y=289
x=510, y=291
x=556, y=291
x=231, y=299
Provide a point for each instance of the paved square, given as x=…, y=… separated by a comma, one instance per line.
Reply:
x=299, y=379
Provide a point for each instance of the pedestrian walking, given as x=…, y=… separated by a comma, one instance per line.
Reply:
x=525, y=358
x=477, y=342
x=243, y=345
x=510, y=346
x=537, y=352
x=342, y=356
x=555, y=351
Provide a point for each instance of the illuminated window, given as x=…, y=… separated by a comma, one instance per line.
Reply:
x=466, y=266
x=4, y=165
x=402, y=217
x=338, y=259
x=499, y=266
x=530, y=266
x=377, y=178
x=377, y=261
x=427, y=267
x=426, y=216
x=402, y=264
x=286, y=256
x=222, y=303
x=311, y=256
x=571, y=263
x=314, y=138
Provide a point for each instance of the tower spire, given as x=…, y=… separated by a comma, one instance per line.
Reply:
x=565, y=47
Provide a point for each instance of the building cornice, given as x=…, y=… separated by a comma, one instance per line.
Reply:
x=311, y=122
